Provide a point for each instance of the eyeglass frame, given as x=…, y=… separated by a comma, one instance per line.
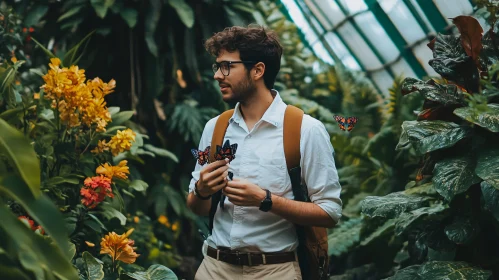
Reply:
x=219, y=64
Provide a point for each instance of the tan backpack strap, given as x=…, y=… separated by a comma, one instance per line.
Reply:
x=291, y=136
x=219, y=132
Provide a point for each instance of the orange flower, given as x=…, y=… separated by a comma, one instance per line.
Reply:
x=95, y=190
x=101, y=147
x=27, y=221
x=119, y=171
x=90, y=244
x=122, y=141
x=119, y=247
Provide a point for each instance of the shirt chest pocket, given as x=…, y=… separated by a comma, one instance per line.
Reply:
x=273, y=175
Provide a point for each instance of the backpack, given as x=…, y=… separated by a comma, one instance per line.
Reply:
x=312, y=241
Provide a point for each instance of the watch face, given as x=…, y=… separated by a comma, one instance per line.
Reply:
x=266, y=204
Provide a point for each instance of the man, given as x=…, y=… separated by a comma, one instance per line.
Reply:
x=247, y=63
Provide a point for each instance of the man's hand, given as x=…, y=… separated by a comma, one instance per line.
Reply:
x=244, y=193
x=213, y=177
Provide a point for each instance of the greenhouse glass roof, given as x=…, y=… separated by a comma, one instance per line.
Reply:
x=383, y=38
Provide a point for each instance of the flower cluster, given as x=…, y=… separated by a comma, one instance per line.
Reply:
x=78, y=100
x=119, y=247
x=31, y=224
x=95, y=190
x=119, y=143
x=120, y=171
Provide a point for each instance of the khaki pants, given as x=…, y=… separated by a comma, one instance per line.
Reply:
x=211, y=269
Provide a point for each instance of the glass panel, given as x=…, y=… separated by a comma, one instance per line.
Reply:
x=403, y=69
x=322, y=53
x=300, y=21
x=341, y=51
x=319, y=14
x=422, y=15
x=383, y=80
x=454, y=8
x=401, y=17
x=362, y=51
x=353, y=6
x=378, y=37
x=424, y=54
x=330, y=9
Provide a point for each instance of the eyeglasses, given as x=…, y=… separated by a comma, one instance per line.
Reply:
x=224, y=66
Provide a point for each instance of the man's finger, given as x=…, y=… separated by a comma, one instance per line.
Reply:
x=215, y=165
x=220, y=186
x=232, y=191
x=217, y=175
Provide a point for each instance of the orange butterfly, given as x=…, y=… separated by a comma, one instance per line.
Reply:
x=201, y=156
x=346, y=124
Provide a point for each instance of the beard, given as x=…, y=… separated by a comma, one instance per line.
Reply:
x=242, y=91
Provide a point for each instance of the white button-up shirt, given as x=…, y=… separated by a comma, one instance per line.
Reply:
x=260, y=160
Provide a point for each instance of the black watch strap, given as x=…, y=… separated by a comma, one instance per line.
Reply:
x=196, y=193
x=266, y=204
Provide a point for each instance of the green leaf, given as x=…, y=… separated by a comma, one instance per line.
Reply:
x=487, y=166
x=71, y=12
x=427, y=136
x=154, y=272
x=109, y=212
x=446, y=94
x=161, y=152
x=436, y=270
x=461, y=230
x=184, y=11
x=139, y=185
x=113, y=110
x=130, y=16
x=425, y=189
x=24, y=240
x=344, y=237
x=19, y=151
x=406, y=220
x=453, y=176
x=60, y=180
x=490, y=197
x=383, y=230
x=94, y=269
x=488, y=119
x=392, y=205
x=41, y=209
x=71, y=57
x=151, y=22
x=35, y=14
x=121, y=117
x=45, y=50
x=101, y=6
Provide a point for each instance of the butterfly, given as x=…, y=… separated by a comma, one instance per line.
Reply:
x=346, y=124
x=226, y=151
x=201, y=156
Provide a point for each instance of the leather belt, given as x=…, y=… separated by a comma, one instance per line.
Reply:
x=251, y=259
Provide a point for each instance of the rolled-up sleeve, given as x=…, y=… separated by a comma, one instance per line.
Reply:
x=318, y=168
x=203, y=143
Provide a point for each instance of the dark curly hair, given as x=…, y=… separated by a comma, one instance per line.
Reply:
x=254, y=43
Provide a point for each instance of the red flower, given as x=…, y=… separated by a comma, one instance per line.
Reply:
x=27, y=221
x=95, y=190
x=31, y=29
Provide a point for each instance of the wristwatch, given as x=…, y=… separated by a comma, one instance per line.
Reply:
x=196, y=193
x=266, y=204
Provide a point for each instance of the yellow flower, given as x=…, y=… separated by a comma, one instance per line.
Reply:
x=101, y=147
x=36, y=96
x=136, y=219
x=175, y=226
x=90, y=244
x=163, y=220
x=119, y=247
x=122, y=141
x=13, y=59
x=118, y=171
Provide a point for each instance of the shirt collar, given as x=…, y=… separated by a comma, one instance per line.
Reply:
x=273, y=115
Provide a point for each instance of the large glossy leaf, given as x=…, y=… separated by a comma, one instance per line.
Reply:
x=344, y=237
x=35, y=14
x=42, y=209
x=151, y=22
x=487, y=166
x=490, y=42
x=161, y=152
x=490, y=198
x=109, y=212
x=101, y=6
x=94, y=267
x=461, y=230
x=47, y=256
x=406, y=220
x=451, y=61
x=184, y=11
x=427, y=136
x=383, y=230
x=488, y=119
x=121, y=117
x=154, y=272
x=130, y=15
x=392, y=205
x=19, y=151
x=442, y=271
x=471, y=35
x=453, y=176
x=444, y=94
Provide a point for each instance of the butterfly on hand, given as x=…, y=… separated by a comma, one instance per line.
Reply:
x=201, y=156
x=226, y=151
x=346, y=124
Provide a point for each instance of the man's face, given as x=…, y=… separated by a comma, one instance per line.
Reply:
x=238, y=85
